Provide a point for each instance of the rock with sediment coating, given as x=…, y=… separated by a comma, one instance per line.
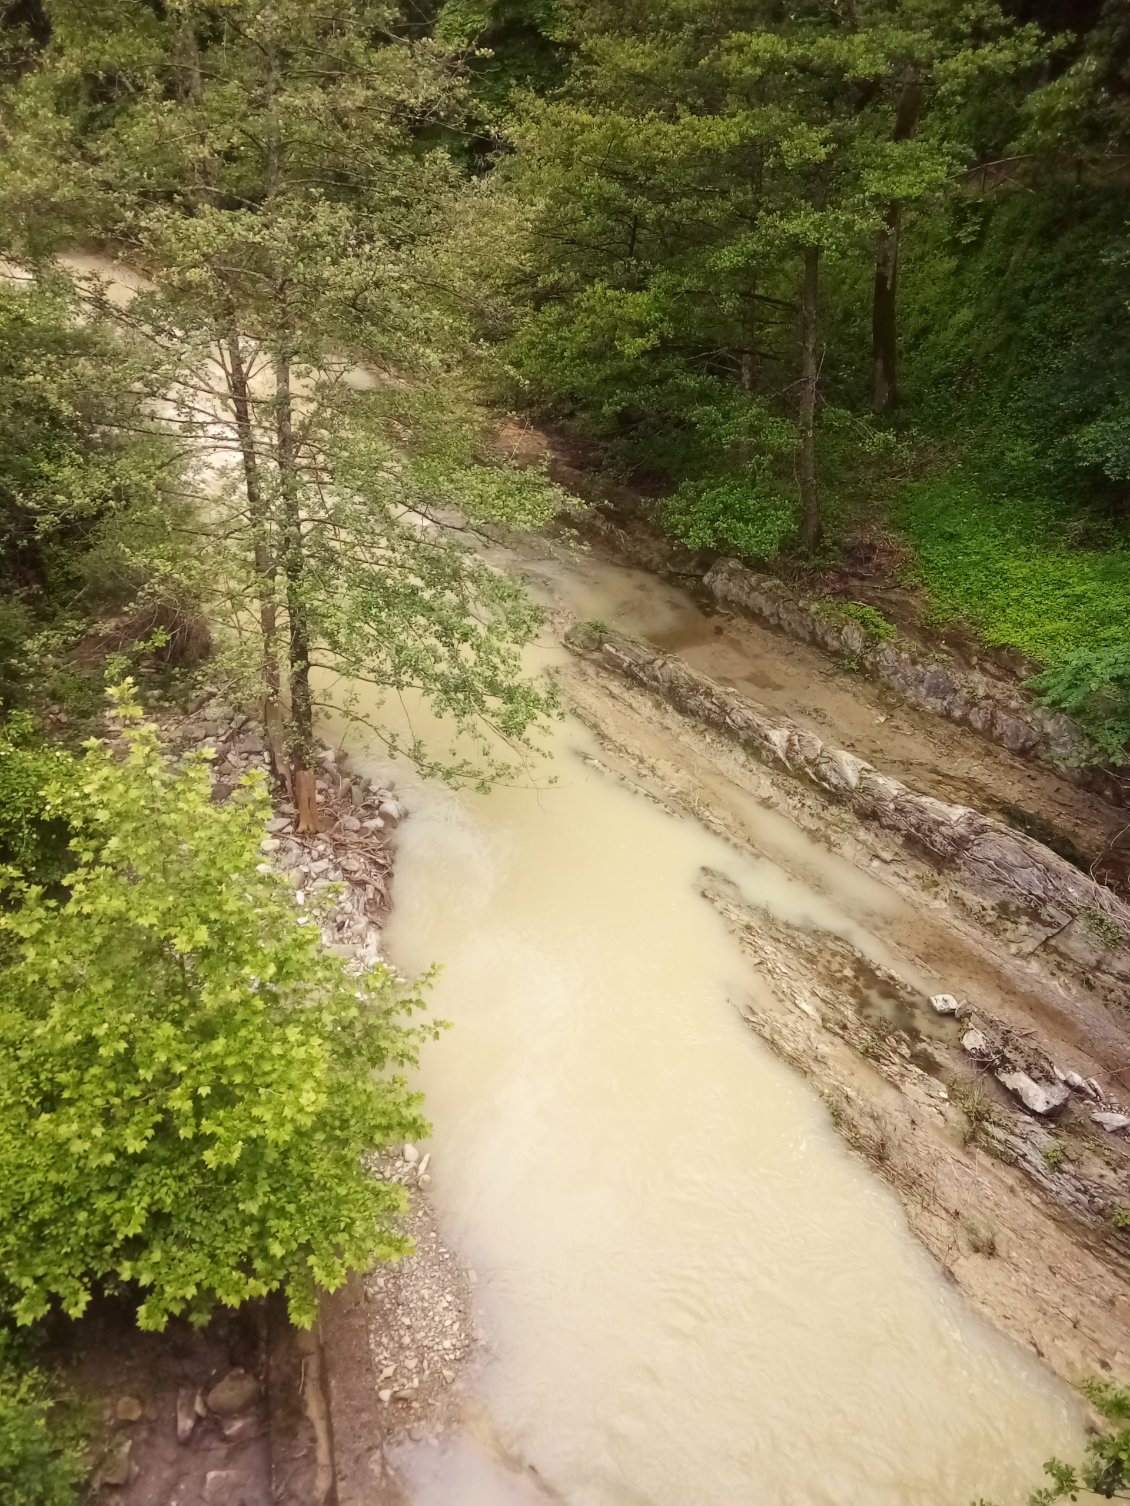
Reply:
x=234, y=1393
x=975, y=1042
x=1038, y=1097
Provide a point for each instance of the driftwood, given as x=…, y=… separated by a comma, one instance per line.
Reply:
x=1015, y=874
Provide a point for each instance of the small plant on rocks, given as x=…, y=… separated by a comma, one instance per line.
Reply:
x=973, y=1099
x=1105, y=1470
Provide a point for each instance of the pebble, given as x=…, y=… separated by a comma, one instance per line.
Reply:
x=235, y=1428
x=222, y=1486
x=115, y=1468
x=270, y=844
x=944, y=1003
x=234, y=1393
x=385, y=1395
x=128, y=1409
x=186, y=1413
x=1111, y=1122
x=411, y=1154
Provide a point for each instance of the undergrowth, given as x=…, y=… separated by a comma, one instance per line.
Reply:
x=42, y=1453
x=1019, y=574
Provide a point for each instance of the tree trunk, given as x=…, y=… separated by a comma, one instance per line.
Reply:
x=884, y=300
x=265, y=564
x=811, y=528
x=301, y=704
x=884, y=318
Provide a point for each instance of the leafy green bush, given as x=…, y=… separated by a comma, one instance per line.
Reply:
x=33, y=840
x=1092, y=685
x=734, y=514
x=41, y=1443
x=188, y=1080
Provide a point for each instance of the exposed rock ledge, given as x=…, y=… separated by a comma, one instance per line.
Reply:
x=1018, y=1217
x=1017, y=876
x=991, y=707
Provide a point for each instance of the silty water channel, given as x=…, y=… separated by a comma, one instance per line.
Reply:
x=694, y=1294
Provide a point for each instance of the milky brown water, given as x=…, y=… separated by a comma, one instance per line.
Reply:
x=693, y=1294
x=692, y=1291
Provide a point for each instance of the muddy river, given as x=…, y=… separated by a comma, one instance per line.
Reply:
x=693, y=1293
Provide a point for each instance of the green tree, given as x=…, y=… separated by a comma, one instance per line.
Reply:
x=268, y=162
x=188, y=1080
x=697, y=174
x=81, y=468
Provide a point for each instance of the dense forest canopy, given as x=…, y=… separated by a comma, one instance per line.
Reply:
x=818, y=271
x=830, y=273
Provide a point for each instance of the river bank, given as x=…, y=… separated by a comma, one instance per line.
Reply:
x=566, y=968
x=1021, y=1214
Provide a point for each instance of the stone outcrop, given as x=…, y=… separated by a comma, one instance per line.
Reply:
x=1015, y=875
x=996, y=709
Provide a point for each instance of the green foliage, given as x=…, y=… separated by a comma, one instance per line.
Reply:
x=1105, y=1470
x=15, y=630
x=1092, y=685
x=874, y=625
x=1054, y=1155
x=33, y=839
x=41, y=1438
x=696, y=155
x=1018, y=338
x=82, y=475
x=518, y=44
x=1018, y=569
x=328, y=234
x=188, y=1081
x=734, y=514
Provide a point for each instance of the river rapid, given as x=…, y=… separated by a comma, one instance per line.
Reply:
x=693, y=1293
